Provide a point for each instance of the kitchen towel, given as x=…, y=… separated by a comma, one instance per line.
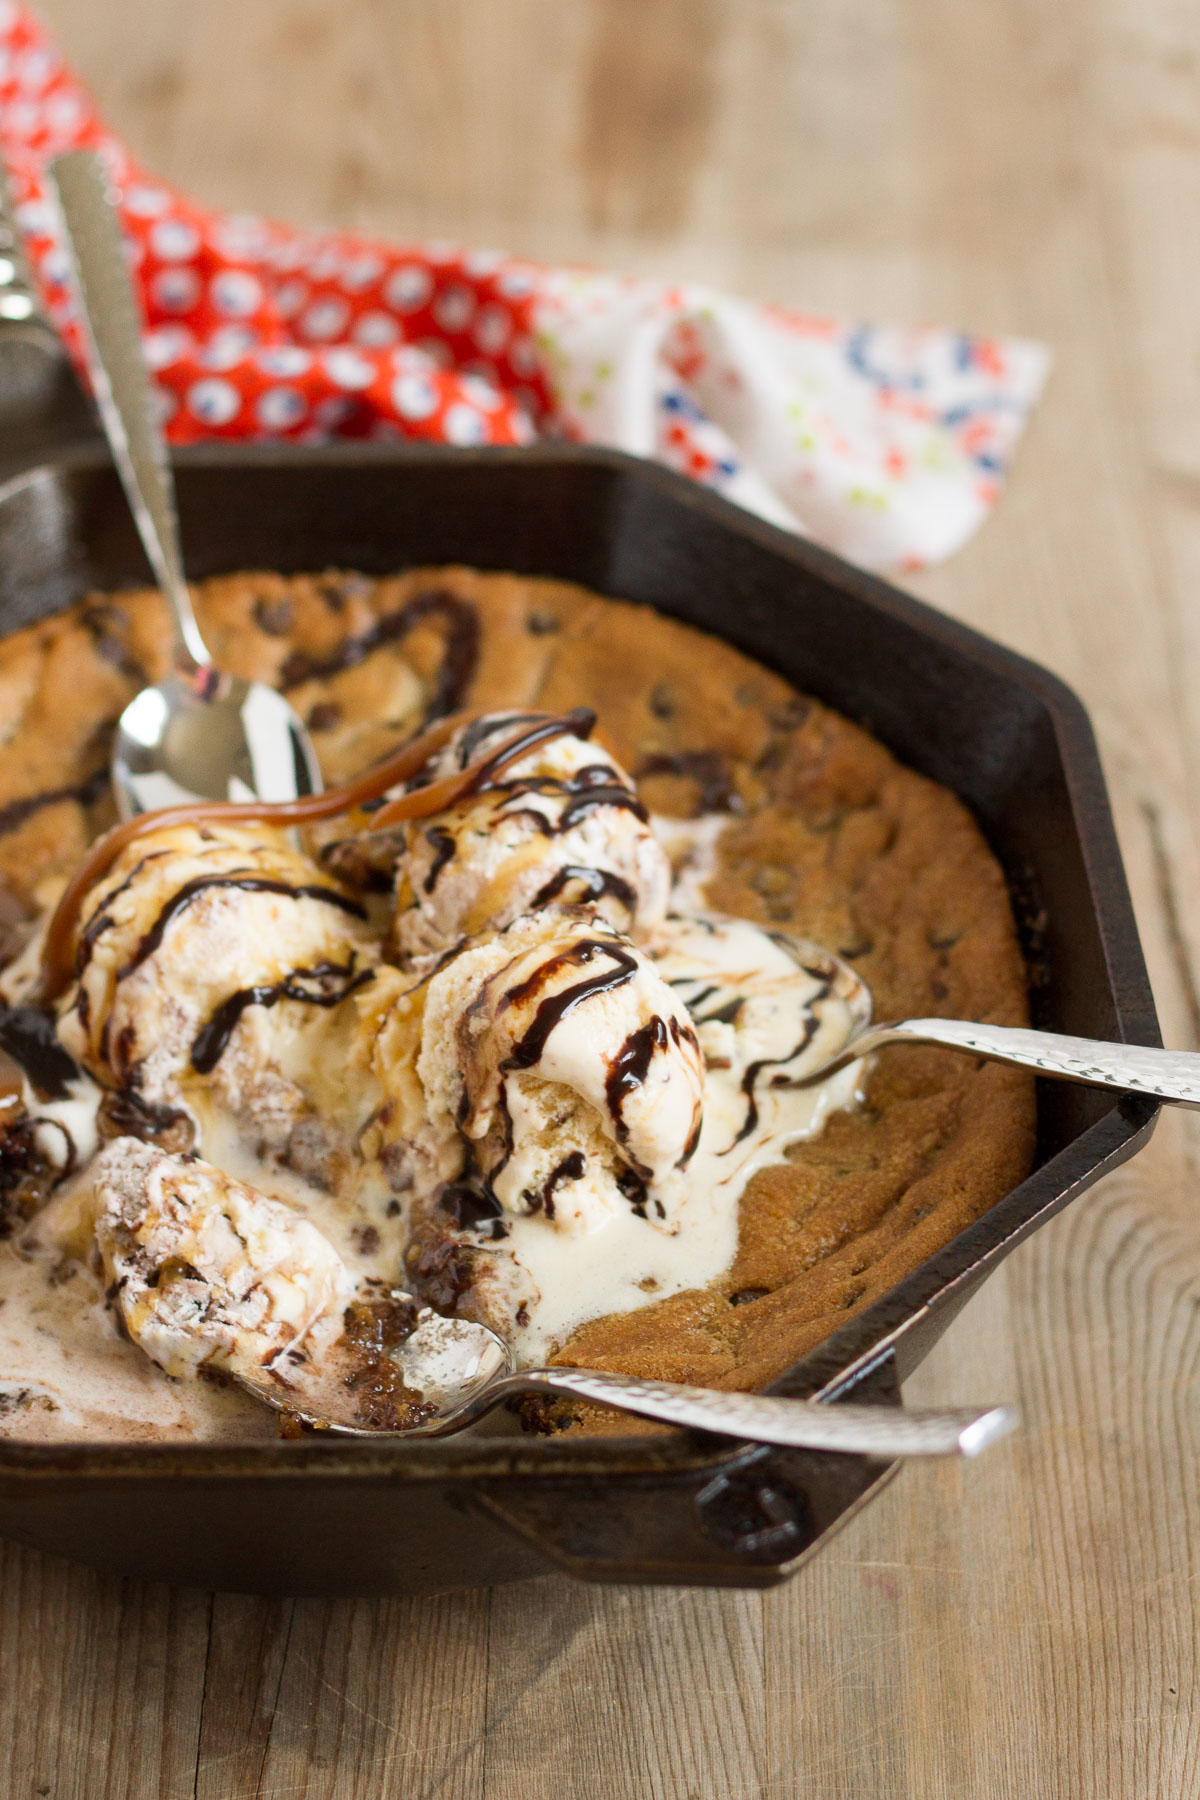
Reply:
x=888, y=444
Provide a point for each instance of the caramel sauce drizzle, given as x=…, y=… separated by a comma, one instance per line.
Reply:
x=476, y=778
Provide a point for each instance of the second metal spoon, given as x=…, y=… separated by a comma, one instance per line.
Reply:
x=199, y=734
x=1171, y=1075
x=460, y=1370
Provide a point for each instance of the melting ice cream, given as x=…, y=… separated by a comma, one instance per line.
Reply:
x=563, y=826
x=531, y=1090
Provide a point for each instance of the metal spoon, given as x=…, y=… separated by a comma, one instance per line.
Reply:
x=460, y=1370
x=1172, y=1075
x=200, y=733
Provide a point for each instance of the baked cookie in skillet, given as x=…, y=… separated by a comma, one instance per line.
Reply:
x=826, y=836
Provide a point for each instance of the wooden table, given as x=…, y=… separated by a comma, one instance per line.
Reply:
x=1023, y=1627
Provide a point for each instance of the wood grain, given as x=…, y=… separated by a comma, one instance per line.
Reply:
x=1028, y=1626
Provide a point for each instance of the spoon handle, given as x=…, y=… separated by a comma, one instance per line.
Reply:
x=881, y=1431
x=121, y=383
x=1172, y=1075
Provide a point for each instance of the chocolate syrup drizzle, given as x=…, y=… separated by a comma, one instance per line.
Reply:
x=477, y=733
x=709, y=770
x=247, y=883
x=585, y=792
x=530, y=1047
x=102, y=917
x=408, y=761
x=727, y=1014
x=336, y=981
x=755, y=1069
x=720, y=1015
x=443, y=844
x=596, y=884
x=569, y=1169
x=30, y=1037
x=628, y=1071
x=460, y=655
x=550, y=1013
x=86, y=792
x=580, y=722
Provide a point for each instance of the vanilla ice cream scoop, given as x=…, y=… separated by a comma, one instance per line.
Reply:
x=568, y=1066
x=193, y=932
x=206, y=1272
x=562, y=825
x=768, y=1009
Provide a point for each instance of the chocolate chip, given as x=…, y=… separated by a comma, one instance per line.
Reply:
x=662, y=705
x=773, y=757
x=105, y=614
x=109, y=627
x=15, y=921
x=113, y=651
x=823, y=819
x=441, y=1272
x=791, y=714
x=859, y=945
x=275, y=617
x=771, y=881
x=124, y=1113
x=716, y=791
x=335, y=590
x=744, y=1296
x=324, y=715
x=541, y=624
x=467, y=1204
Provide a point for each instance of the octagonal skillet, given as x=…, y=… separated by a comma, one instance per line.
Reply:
x=329, y=1516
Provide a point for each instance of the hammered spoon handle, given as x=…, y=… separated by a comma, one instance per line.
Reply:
x=1172, y=1075
x=848, y=1427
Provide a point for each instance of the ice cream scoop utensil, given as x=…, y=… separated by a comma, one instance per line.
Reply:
x=1171, y=1075
x=199, y=733
x=461, y=1370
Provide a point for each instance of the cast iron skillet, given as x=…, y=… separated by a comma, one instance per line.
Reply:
x=343, y=1517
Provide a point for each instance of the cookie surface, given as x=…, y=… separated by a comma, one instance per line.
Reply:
x=828, y=836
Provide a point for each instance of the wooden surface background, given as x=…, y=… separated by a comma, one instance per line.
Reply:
x=1024, y=1627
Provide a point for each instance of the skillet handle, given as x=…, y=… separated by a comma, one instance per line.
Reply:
x=697, y=1519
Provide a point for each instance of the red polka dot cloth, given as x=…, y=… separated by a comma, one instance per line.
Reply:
x=887, y=444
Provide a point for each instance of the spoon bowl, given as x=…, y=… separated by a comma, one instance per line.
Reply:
x=453, y=1371
x=212, y=737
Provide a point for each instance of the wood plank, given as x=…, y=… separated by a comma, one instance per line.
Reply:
x=104, y=1680
x=1024, y=1626
x=637, y=1691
